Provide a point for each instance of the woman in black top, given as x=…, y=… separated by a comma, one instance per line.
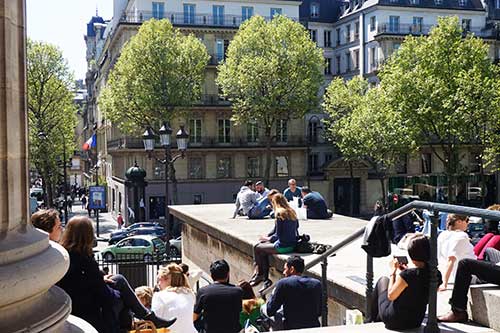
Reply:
x=400, y=300
x=100, y=300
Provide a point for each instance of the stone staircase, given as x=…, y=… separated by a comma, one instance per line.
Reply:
x=379, y=328
x=485, y=305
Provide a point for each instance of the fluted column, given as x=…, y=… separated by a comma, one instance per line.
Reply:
x=29, y=264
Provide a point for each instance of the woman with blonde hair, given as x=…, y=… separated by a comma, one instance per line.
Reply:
x=283, y=240
x=175, y=299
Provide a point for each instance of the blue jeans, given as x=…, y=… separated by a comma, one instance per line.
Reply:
x=259, y=211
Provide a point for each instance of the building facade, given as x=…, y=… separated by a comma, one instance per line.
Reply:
x=221, y=154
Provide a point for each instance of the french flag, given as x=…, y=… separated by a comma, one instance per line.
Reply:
x=90, y=143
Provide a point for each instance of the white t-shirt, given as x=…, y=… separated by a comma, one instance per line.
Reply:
x=169, y=304
x=453, y=243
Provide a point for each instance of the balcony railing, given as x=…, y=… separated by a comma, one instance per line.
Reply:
x=424, y=29
x=186, y=19
x=213, y=100
x=210, y=142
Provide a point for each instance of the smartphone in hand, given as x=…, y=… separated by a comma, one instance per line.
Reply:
x=402, y=260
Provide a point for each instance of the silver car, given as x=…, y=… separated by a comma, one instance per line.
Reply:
x=175, y=247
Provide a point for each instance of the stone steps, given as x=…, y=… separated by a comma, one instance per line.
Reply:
x=379, y=328
x=485, y=305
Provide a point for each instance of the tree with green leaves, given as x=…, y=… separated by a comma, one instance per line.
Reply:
x=159, y=73
x=340, y=101
x=446, y=86
x=272, y=72
x=51, y=111
x=363, y=127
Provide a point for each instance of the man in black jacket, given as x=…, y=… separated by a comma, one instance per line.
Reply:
x=300, y=297
x=219, y=303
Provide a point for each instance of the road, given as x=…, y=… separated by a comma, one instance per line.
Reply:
x=107, y=224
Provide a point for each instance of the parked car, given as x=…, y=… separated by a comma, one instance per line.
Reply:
x=175, y=247
x=138, y=225
x=156, y=231
x=146, y=247
x=474, y=193
x=476, y=232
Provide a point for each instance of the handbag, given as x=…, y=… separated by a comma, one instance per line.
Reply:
x=146, y=326
x=303, y=244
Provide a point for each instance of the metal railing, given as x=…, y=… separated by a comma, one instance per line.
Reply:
x=423, y=29
x=187, y=19
x=137, y=271
x=435, y=209
x=210, y=142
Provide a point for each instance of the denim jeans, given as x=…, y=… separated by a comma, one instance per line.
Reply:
x=259, y=211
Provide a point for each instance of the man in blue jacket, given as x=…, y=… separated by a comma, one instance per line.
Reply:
x=315, y=204
x=300, y=297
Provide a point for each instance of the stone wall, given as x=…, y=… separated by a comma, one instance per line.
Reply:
x=200, y=248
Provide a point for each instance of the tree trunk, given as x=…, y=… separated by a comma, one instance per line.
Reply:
x=382, y=187
x=267, y=172
x=482, y=183
x=351, y=191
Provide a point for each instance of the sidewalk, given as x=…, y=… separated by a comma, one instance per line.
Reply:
x=107, y=223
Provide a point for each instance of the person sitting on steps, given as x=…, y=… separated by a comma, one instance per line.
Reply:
x=400, y=300
x=283, y=240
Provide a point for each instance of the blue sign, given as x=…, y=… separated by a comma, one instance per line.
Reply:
x=97, y=197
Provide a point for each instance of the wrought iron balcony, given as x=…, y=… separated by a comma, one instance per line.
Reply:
x=424, y=29
x=187, y=19
x=211, y=142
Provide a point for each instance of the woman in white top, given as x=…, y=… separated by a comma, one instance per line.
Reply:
x=175, y=299
x=453, y=246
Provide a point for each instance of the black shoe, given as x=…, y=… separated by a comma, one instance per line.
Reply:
x=256, y=280
x=268, y=283
x=159, y=322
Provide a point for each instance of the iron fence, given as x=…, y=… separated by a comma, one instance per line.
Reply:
x=133, y=266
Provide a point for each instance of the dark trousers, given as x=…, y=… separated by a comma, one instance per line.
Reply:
x=261, y=252
x=128, y=302
x=486, y=271
x=380, y=302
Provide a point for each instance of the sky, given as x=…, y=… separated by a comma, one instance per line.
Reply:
x=64, y=23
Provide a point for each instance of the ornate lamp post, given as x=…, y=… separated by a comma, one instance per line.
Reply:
x=164, y=133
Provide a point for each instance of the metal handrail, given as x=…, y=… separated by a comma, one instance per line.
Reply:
x=433, y=207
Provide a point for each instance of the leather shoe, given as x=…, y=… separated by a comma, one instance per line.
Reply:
x=268, y=283
x=454, y=317
x=256, y=280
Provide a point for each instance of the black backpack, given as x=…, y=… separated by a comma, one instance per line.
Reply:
x=377, y=237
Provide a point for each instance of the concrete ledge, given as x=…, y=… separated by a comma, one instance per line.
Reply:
x=485, y=305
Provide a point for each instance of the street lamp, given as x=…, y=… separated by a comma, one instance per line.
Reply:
x=164, y=133
x=312, y=127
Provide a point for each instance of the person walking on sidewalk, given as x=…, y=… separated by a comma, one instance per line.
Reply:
x=84, y=201
x=119, y=220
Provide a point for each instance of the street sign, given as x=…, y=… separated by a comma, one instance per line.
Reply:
x=97, y=197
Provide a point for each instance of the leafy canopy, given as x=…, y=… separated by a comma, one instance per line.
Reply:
x=446, y=87
x=272, y=71
x=50, y=106
x=159, y=72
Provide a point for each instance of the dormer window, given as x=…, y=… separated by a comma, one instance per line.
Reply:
x=462, y=3
x=314, y=9
x=438, y=2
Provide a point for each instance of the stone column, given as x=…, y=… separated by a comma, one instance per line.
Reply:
x=30, y=265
